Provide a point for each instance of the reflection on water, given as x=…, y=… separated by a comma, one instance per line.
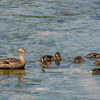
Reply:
x=43, y=69
x=57, y=62
x=9, y=72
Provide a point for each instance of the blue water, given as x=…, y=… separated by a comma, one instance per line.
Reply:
x=71, y=27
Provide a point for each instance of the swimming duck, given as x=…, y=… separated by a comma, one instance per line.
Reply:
x=97, y=62
x=12, y=63
x=78, y=59
x=95, y=71
x=51, y=58
x=45, y=64
x=93, y=55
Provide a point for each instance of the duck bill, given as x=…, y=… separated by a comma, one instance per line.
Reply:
x=26, y=52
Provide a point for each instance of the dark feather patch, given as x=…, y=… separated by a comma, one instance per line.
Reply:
x=7, y=63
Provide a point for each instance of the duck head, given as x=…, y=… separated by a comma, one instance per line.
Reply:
x=22, y=50
x=57, y=56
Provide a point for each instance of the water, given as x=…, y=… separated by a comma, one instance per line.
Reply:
x=71, y=27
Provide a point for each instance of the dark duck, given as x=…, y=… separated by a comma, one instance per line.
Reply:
x=97, y=62
x=93, y=55
x=45, y=64
x=57, y=57
x=78, y=59
x=95, y=71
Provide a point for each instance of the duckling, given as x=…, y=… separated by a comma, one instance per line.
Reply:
x=45, y=64
x=97, y=62
x=95, y=71
x=13, y=63
x=78, y=59
x=93, y=55
x=51, y=58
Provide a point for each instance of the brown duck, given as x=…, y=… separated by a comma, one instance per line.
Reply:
x=78, y=59
x=12, y=63
x=51, y=58
x=97, y=62
x=95, y=71
x=93, y=55
x=45, y=64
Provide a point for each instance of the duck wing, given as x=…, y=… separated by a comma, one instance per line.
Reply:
x=9, y=61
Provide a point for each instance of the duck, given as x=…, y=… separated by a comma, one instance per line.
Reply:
x=97, y=62
x=13, y=63
x=95, y=71
x=45, y=64
x=57, y=57
x=78, y=59
x=93, y=55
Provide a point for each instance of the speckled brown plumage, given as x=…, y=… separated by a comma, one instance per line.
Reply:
x=51, y=58
x=95, y=71
x=97, y=62
x=12, y=63
x=93, y=55
x=78, y=59
x=45, y=64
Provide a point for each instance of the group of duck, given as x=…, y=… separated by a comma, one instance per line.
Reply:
x=80, y=59
x=13, y=63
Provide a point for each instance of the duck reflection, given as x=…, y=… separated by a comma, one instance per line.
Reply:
x=9, y=72
x=43, y=69
x=57, y=62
